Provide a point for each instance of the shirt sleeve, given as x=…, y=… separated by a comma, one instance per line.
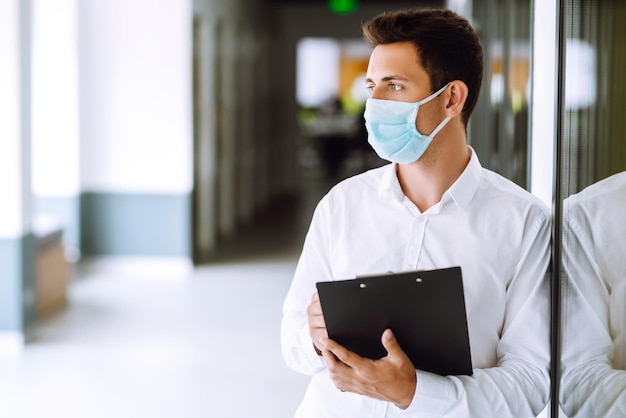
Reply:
x=590, y=386
x=296, y=343
x=518, y=386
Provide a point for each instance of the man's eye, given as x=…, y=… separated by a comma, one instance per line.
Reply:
x=395, y=87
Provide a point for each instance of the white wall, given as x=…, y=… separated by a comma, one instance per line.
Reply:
x=14, y=119
x=16, y=245
x=135, y=96
x=55, y=143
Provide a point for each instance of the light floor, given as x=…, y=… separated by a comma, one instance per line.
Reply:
x=157, y=338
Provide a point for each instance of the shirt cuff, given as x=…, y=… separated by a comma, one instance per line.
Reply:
x=314, y=361
x=433, y=395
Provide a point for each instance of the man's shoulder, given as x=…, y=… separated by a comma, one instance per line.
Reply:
x=507, y=189
x=367, y=181
x=610, y=188
x=604, y=199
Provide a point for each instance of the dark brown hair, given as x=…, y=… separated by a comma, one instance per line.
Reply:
x=447, y=45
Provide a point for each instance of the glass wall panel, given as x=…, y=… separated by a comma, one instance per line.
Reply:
x=499, y=127
x=593, y=192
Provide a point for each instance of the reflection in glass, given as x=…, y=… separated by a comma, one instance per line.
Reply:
x=593, y=185
x=594, y=260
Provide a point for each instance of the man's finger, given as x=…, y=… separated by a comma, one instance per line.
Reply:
x=331, y=360
x=343, y=354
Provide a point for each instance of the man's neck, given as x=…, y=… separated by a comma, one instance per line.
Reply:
x=425, y=181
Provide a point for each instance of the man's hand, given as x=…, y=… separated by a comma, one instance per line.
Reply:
x=392, y=378
x=317, y=325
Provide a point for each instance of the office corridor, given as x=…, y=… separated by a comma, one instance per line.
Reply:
x=158, y=338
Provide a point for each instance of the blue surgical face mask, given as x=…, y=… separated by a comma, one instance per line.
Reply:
x=392, y=132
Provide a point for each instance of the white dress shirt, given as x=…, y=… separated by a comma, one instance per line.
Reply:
x=497, y=232
x=594, y=339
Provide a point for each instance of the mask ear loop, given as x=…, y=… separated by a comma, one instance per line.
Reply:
x=443, y=122
x=432, y=96
x=439, y=127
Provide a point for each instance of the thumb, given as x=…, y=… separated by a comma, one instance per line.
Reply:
x=391, y=343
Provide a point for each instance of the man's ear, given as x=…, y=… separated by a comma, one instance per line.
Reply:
x=457, y=97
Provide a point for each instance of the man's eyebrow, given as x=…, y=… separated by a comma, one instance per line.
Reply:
x=388, y=78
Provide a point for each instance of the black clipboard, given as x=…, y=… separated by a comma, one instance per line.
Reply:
x=424, y=309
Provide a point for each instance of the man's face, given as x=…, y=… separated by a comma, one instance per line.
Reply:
x=395, y=73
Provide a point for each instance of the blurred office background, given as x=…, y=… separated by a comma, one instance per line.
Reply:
x=160, y=161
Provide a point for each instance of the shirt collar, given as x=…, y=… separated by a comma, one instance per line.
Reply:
x=389, y=183
x=462, y=190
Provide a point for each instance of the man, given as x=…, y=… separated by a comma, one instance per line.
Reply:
x=433, y=207
x=594, y=312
